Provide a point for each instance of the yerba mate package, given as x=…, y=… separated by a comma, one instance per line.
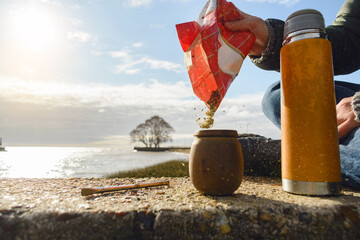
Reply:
x=214, y=55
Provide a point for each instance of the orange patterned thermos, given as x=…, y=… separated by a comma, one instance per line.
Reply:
x=310, y=150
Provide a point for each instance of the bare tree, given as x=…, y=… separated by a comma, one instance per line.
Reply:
x=153, y=132
x=141, y=134
x=160, y=130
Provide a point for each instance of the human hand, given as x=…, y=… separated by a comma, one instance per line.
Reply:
x=345, y=117
x=256, y=26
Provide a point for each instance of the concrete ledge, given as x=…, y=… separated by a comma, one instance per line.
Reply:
x=259, y=209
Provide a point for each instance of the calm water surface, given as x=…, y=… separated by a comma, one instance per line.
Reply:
x=67, y=162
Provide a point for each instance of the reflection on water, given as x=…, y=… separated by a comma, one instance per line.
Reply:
x=65, y=162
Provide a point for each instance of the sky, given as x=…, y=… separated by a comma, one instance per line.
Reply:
x=87, y=72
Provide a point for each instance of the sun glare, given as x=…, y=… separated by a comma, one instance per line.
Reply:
x=34, y=28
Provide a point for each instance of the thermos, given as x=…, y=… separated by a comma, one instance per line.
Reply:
x=310, y=149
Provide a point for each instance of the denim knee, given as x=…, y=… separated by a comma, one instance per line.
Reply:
x=271, y=104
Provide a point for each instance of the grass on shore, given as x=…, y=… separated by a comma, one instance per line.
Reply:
x=173, y=168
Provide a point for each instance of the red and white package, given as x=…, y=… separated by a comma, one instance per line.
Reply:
x=214, y=55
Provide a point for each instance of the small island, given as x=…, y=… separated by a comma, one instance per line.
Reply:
x=2, y=149
x=163, y=149
x=152, y=133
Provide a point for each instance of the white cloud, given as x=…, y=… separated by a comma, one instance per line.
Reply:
x=285, y=2
x=79, y=36
x=137, y=44
x=244, y=114
x=53, y=3
x=119, y=54
x=157, y=26
x=126, y=54
x=128, y=68
x=98, y=95
x=96, y=53
x=76, y=22
x=134, y=63
x=54, y=112
x=160, y=64
x=137, y=3
x=75, y=6
x=145, y=3
x=132, y=71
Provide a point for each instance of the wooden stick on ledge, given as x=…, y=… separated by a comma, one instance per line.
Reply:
x=90, y=191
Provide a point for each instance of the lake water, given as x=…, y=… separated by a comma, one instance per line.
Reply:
x=68, y=162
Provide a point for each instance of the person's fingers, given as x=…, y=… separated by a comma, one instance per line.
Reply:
x=239, y=25
x=342, y=109
x=344, y=129
x=340, y=120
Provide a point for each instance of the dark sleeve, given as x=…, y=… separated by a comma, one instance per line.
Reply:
x=344, y=35
x=270, y=57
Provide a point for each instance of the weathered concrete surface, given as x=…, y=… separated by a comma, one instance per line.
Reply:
x=259, y=209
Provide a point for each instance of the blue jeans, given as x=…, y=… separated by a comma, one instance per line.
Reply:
x=349, y=145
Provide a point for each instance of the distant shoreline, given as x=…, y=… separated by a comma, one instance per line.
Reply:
x=171, y=149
